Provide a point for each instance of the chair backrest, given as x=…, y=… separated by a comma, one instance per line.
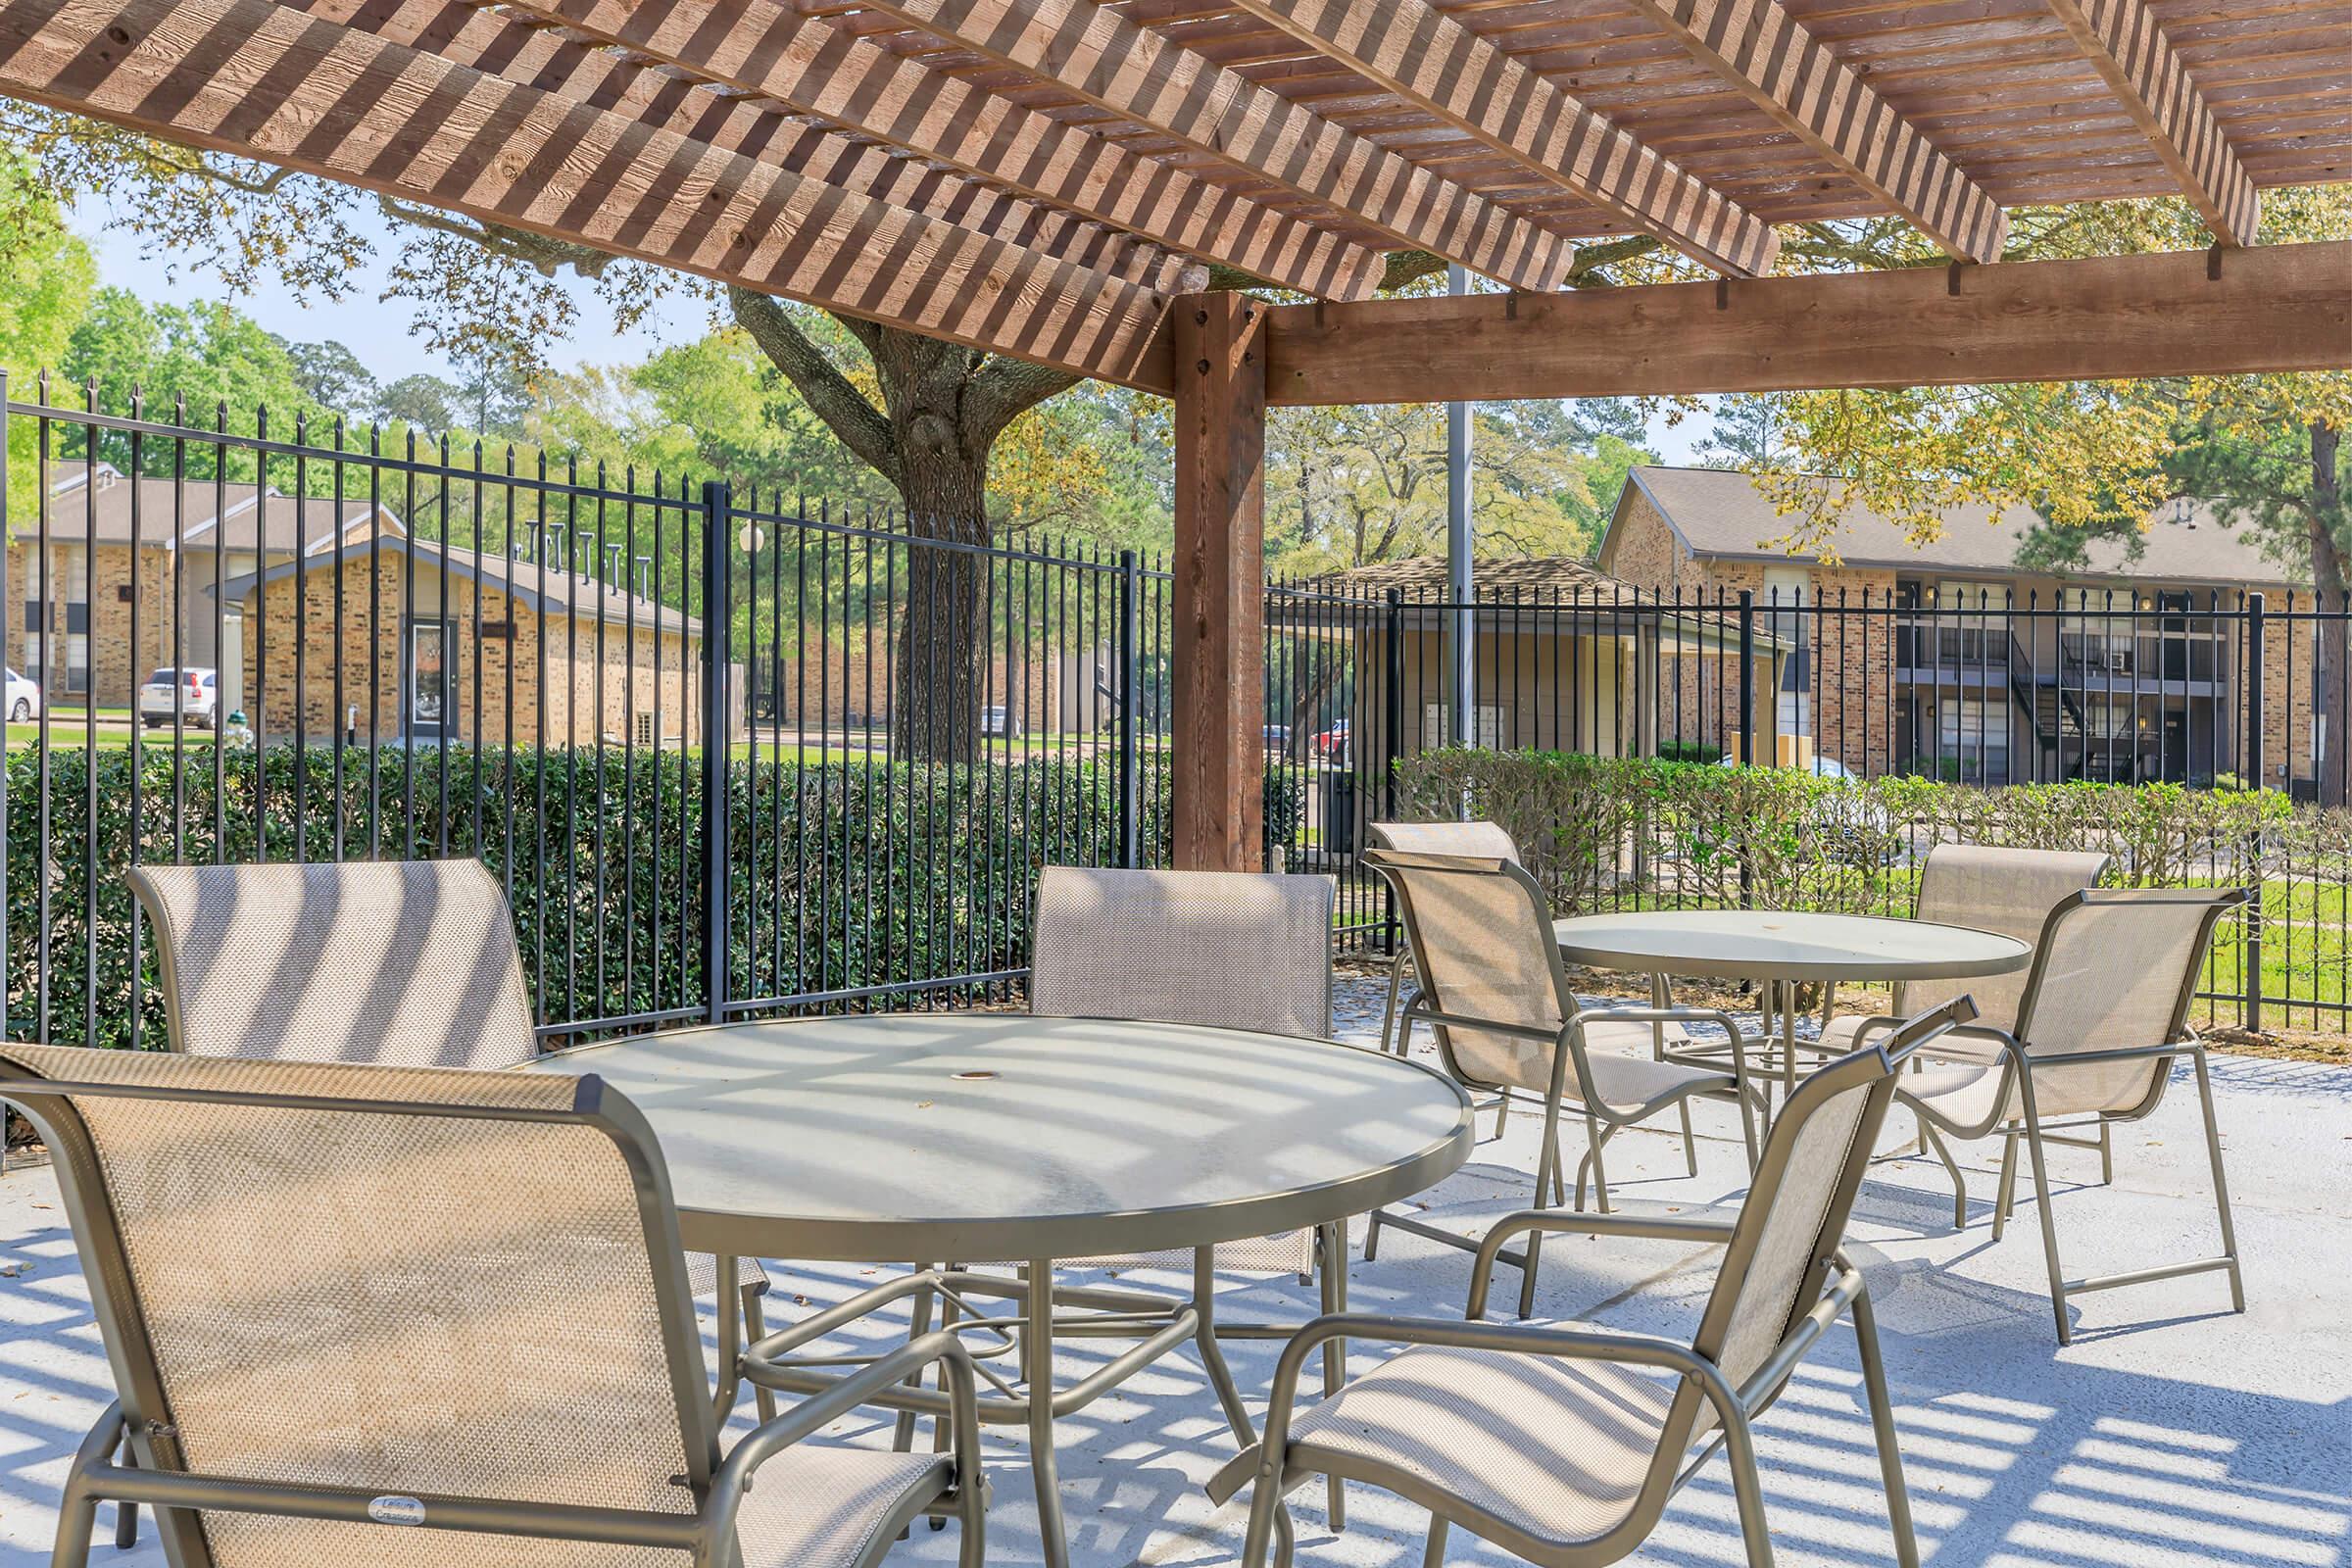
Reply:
x=1233, y=950
x=2116, y=970
x=1793, y=1221
x=1484, y=840
x=1994, y=889
x=405, y=1280
x=1481, y=934
x=404, y=964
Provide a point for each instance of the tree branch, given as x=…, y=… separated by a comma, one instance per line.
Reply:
x=1001, y=390
x=860, y=425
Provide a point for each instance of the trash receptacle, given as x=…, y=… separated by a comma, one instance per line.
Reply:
x=1339, y=812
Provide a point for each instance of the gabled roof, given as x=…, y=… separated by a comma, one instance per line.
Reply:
x=1571, y=592
x=1721, y=514
x=1422, y=576
x=552, y=592
x=101, y=504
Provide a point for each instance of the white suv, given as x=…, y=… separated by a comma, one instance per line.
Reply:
x=195, y=693
x=23, y=699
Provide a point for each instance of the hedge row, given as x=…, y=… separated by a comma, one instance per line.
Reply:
x=1608, y=832
x=840, y=876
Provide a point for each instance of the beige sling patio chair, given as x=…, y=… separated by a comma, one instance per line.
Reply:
x=1495, y=994
x=2103, y=1016
x=1233, y=951
x=1989, y=888
x=389, y=1315
x=399, y=964
x=1491, y=841
x=1486, y=839
x=1563, y=1443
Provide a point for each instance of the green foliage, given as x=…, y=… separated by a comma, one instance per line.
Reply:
x=1606, y=833
x=841, y=877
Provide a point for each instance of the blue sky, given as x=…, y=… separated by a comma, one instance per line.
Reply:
x=379, y=334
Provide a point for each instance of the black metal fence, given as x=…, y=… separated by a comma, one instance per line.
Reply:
x=727, y=753
x=2195, y=689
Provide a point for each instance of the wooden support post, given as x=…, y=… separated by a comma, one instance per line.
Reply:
x=1217, y=802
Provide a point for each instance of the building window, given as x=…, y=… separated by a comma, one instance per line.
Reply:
x=429, y=676
x=1973, y=739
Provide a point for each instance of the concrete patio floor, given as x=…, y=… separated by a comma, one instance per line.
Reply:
x=2170, y=1432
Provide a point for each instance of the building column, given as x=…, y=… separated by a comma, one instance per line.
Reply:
x=1218, y=635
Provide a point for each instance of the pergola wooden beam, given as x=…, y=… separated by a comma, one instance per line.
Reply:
x=256, y=79
x=555, y=61
x=2123, y=40
x=1426, y=56
x=1759, y=49
x=815, y=69
x=2266, y=308
x=1132, y=72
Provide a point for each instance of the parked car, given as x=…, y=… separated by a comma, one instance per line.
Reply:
x=23, y=699
x=999, y=722
x=1278, y=738
x=194, y=692
x=1331, y=744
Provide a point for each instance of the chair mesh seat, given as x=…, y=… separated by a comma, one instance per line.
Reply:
x=1290, y=1252
x=702, y=1273
x=821, y=1508
x=1558, y=1449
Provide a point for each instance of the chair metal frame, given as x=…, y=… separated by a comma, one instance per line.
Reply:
x=1834, y=1285
x=2017, y=1065
x=141, y=1417
x=1567, y=1042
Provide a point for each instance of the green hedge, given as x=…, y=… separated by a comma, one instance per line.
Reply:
x=841, y=877
x=1608, y=832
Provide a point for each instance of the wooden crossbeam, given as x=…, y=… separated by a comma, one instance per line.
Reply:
x=2121, y=39
x=2268, y=307
x=573, y=67
x=1759, y=49
x=818, y=70
x=1425, y=55
x=1133, y=72
x=255, y=78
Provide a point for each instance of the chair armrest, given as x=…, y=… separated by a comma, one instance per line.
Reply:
x=1636, y=1349
x=819, y=1410
x=1707, y=1232
x=1682, y=1014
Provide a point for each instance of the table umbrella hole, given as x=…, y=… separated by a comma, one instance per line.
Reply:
x=976, y=1075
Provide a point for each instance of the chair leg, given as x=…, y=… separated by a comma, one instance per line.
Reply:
x=1935, y=1140
x=1882, y=1422
x=1601, y=1177
x=2050, y=1217
x=756, y=1328
x=2106, y=1155
x=2005, y=1196
x=1432, y=1554
x=1747, y=1493
x=1372, y=1236
x=1502, y=1110
x=1545, y=1162
x=1690, y=1138
x=2221, y=1182
x=1334, y=1251
x=127, y=1512
x=1389, y=1039
x=1747, y=1127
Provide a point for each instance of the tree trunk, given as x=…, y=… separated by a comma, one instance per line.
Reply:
x=2332, y=767
x=935, y=710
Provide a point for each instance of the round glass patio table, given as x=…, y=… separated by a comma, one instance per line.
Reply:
x=976, y=1136
x=1777, y=951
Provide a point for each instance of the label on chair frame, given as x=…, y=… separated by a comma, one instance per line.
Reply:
x=396, y=1510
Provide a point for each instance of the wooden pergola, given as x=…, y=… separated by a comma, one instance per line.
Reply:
x=1054, y=179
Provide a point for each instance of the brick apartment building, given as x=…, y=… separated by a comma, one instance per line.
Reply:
x=72, y=567
x=1953, y=657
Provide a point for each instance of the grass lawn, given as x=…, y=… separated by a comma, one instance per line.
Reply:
x=72, y=735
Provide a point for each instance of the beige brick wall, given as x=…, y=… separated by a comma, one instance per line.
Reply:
x=298, y=612
x=115, y=673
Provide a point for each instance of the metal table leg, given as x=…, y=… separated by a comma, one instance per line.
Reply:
x=1037, y=1365
x=1220, y=1378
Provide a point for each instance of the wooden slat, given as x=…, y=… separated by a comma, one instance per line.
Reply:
x=255, y=78
x=1132, y=72
x=807, y=64
x=2273, y=308
x=1216, y=791
x=2121, y=38
x=1757, y=47
x=565, y=64
x=1428, y=57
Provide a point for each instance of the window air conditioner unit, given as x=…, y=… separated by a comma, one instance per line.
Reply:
x=2119, y=660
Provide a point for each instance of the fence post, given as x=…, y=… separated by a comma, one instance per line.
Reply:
x=1748, y=677
x=1392, y=720
x=2256, y=769
x=1131, y=685
x=719, y=620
